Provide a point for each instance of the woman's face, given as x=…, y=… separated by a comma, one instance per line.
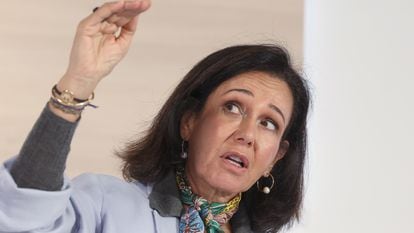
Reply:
x=236, y=138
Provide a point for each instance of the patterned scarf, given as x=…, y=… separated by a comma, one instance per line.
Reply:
x=199, y=215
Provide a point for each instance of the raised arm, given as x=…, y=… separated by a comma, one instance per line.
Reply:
x=102, y=40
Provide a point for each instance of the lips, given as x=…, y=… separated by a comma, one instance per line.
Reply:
x=236, y=159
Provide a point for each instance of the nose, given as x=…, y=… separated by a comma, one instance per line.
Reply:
x=246, y=132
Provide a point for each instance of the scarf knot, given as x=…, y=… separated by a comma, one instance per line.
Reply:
x=199, y=215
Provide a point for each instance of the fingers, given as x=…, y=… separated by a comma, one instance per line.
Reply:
x=109, y=28
x=120, y=14
x=129, y=28
x=129, y=11
x=127, y=31
x=104, y=12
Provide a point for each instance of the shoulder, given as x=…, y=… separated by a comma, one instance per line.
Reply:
x=119, y=203
x=114, y=198
x=110, y=185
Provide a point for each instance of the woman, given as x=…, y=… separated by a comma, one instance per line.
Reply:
x=224, y=154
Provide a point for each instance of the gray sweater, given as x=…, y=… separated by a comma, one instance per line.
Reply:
x=41, y=161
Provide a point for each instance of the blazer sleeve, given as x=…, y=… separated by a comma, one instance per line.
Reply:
x=75, y=208
x=35, y=196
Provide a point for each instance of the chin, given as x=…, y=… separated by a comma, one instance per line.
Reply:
x=230, y=186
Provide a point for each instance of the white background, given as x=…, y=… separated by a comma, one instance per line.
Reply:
x=359, y=56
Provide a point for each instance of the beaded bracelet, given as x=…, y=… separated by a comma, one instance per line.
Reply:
x=65, y=101
x=64, y=108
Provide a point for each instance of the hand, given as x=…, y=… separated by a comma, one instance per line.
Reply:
x=98, y=47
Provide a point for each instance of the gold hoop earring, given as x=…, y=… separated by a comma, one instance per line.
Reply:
x=266, y=189
x=183, y=154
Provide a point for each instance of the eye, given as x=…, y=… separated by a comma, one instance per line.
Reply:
x=232, y=108
x=269, y=124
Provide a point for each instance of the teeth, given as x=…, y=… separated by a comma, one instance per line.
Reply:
x=236, y=160
x=235, y=163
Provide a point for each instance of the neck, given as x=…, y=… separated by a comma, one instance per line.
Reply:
x=201, y=188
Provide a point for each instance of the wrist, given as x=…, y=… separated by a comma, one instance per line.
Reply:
x=64, y=103
x=81, y=88
x=64, y=115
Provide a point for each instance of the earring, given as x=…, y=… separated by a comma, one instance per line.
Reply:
x=183, y=154
x=266, y=189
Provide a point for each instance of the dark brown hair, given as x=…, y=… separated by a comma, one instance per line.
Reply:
x=153, y=155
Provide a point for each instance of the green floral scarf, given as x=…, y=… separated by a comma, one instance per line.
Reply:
x=199, y=215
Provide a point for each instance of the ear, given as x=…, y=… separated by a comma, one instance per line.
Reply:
x=283, y=148
x=187, y=125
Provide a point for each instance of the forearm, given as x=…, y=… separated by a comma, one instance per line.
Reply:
x=96, y=49
x=41, y=161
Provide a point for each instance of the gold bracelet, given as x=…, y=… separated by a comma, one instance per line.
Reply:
x=67, y=98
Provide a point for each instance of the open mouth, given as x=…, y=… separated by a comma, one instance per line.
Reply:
x=237, y=160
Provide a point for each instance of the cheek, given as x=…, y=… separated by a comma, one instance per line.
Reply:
x=214, y=126
x=208, y=136
x=206, y=133
x=268, y=151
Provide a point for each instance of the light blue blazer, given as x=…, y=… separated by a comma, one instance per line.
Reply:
x=89, y=203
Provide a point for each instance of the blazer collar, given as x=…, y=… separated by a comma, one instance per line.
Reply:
x=165, y=198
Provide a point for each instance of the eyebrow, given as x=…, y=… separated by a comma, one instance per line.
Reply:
x=247, y=92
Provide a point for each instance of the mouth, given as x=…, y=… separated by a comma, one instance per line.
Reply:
x=236, y=159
